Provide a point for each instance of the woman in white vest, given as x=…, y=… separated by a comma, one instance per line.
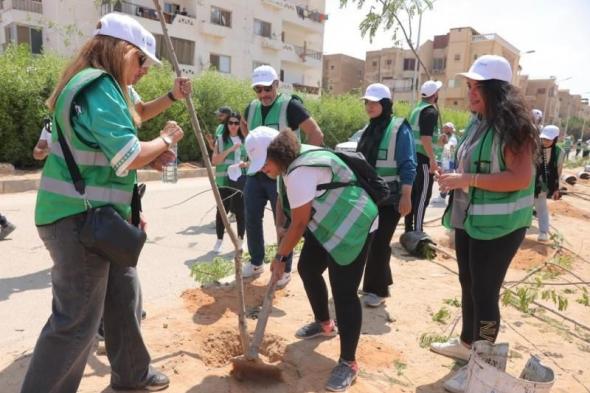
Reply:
x=491, y=200
x=336, y=224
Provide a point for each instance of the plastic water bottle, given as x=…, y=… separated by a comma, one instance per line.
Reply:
x=170, y=170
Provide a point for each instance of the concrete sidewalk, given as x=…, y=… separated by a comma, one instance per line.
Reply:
x=21, y=181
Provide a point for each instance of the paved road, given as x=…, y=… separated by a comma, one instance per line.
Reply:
x=181, y=232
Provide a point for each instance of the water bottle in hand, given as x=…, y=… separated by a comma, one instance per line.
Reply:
x=170, y=170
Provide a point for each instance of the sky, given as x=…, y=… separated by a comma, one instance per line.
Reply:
x=557, y=30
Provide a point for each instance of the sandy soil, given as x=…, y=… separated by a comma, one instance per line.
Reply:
x=194, y=338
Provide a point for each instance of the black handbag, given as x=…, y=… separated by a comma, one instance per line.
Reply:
x=104, y=231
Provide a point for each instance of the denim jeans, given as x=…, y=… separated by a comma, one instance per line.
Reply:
x=258, y=191
x=542, y=212
x=84, y=286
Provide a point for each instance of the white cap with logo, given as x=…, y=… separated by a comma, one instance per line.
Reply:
x=376, y=92
x=264, y=75
x=549, y=132
x=256, y=144
x=489, y=67
x=126, y=28
x=429, y=88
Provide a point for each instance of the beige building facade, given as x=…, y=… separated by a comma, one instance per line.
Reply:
x=342, y=74
x=221, y=34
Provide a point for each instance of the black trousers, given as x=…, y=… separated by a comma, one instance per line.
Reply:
x=233, y=200
x=482, y=268
x=344, y=283
x=378, y=276
x=421, y=193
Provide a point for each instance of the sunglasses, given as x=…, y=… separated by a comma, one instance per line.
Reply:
x=260, y=89
x=233, y=123
x=142, y=59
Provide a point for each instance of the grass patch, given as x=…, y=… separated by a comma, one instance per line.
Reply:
x=442, y=315
x=428, y=338
x=452, y=302
x=211, y=272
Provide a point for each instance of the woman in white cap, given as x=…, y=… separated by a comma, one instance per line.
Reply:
x=491, y=200
x=336, y=224
x=95, y=118
x=549, y=166
x=388, y=146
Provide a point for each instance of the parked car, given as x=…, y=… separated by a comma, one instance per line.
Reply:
x=351, y=143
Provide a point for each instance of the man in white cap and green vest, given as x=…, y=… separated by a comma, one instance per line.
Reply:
x=424, y=123
x=278, y=111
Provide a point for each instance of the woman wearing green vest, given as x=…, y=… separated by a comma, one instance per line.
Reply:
x=388, y=145
x=229, y=150
x=337, y=238
x=93, y=112
x=491, y=201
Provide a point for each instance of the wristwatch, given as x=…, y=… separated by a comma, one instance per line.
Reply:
x=281, y=258
x=167, y=140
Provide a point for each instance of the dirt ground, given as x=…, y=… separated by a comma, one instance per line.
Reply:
x=194, y=338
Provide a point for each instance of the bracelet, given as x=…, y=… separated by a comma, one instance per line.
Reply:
x=171, y=96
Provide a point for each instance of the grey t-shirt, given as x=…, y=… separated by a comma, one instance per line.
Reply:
x=464, y=153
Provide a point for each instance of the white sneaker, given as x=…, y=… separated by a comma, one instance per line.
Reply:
x=284, y=280
x=250, y=270
x=457, y=383
x=453, y=348
x=543, y=237
x=217, y=246
x=438, y=201
x=372, y=300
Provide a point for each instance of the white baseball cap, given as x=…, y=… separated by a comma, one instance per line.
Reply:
x=489, y=67
x=450, y=125
x=537, y=114
x=376, y=92
x=549, y=132
x=429, y=88
x=264, y=75
x=257, y=143
x=126, y=28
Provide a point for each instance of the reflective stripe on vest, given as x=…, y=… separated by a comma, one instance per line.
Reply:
x=276, y=116
x=342, y=216
x=414, y=121
x=238, y=155
x=386, y=165
x=101, y=194
x=83, y=157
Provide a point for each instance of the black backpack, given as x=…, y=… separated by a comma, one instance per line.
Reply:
x=366, y=177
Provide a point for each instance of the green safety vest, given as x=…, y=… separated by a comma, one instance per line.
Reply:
x=415, y=124
x=493, y=214
x=219, y=130
x=275, y=118
x=342, y=216
x=57, y=198
x=221, y=178
x=567, y=143
x=386, y=164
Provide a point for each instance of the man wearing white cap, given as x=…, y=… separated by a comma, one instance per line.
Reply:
x=278, y=111
x=549, y=168
x=537, y=115
x=424, y=123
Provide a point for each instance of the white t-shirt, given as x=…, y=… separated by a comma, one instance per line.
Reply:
x=301, y=185
x=133, y=95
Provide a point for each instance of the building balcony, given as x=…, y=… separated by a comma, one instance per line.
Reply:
x=271, y=44
x=301, y=55
x=306, y=89
x=23, y=5
x=212, y=30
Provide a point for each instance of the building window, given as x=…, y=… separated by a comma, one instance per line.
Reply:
x=262, y=28
x=171, y=8
x=282, y=75
x=388, y=62
x=457, y=57
x=220, y=63
x=185, y=49
x=374, y=64
x=439, y=64
x=26, y=35
x=409, y=64
x=332, y=67
x=220, y=17
x=541, y=90
x=452, y=83
x=455, y=103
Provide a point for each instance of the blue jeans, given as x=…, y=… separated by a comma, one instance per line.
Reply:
x=85, y=286
x=542, y=212
x=258, y=191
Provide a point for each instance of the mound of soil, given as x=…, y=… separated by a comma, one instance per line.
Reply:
x=563, y=208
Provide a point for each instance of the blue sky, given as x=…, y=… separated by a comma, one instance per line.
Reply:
x=557, y=30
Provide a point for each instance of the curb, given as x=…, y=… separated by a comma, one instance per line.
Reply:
x=9, y=186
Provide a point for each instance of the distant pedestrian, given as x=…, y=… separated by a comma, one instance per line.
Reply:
x=424, y=120
x=586, y=149
x=448, y=141
x=579, y=144
x=6, y=227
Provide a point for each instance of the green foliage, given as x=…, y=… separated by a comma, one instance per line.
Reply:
x=210, y=272
x=442, y=315
x=452, y=302
x=399, y=367
x=428, y=338
x=576, y=162
x=584, y=298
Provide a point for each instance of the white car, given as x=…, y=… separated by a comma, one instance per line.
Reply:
x=351, y=143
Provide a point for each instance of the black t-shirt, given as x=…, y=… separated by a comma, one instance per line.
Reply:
x=296, y=113
x=428, y=120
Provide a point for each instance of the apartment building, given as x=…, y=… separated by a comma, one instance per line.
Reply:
x=232, y=36
x=342, y=74
x=543, y=94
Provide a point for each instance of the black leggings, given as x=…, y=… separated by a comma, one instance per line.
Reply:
x=378, y=271
x=233, y=200
x=344, y=283
x=421, y=193
x=482, y=268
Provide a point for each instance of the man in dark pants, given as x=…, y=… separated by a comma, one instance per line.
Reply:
x=424, y=123
x=278, y=111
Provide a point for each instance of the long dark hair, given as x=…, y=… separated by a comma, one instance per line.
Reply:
x=225, y=134
x=507, y=111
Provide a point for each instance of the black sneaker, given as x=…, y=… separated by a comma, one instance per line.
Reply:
x=155, y=382
x=342, y=376
x=315, y=329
